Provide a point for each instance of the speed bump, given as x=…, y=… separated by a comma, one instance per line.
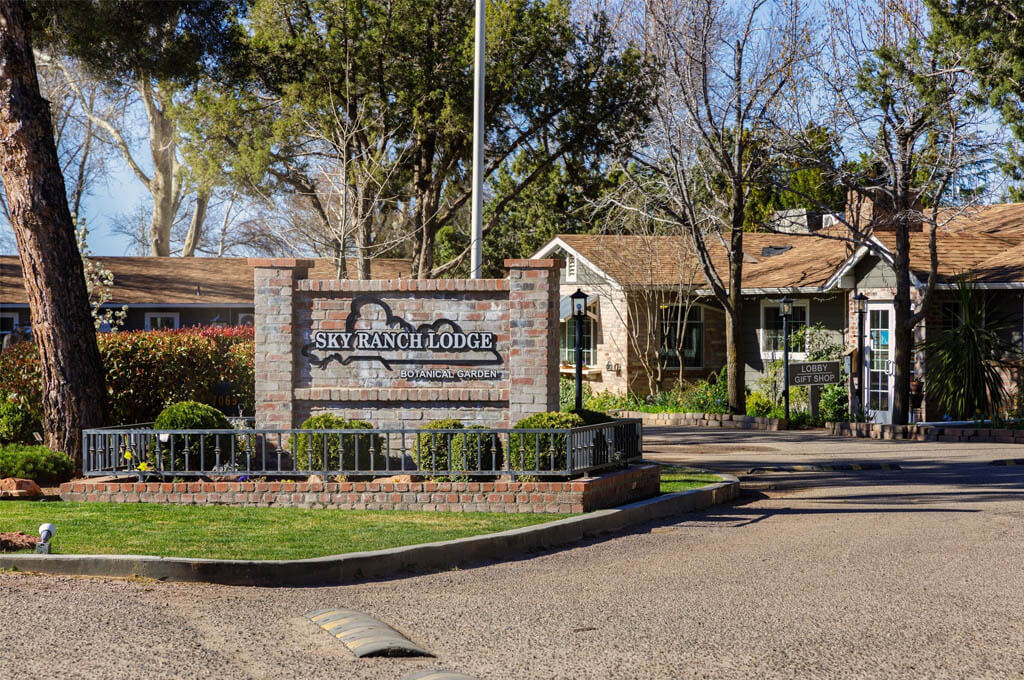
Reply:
x=437, y=675
x=365, y=635
x=839, y=467
x=1009, y=461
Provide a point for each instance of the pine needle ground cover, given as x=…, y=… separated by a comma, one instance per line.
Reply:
x=223, y=532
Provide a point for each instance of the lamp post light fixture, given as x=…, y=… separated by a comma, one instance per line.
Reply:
x=579, y=312
x=46, y=532
x=860, y=300
x=786, y=310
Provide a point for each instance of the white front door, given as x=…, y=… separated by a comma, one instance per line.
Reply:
x=878, y=362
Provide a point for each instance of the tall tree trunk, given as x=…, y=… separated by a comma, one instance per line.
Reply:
x=72, y=374
x=364, y=235
x=735, y=364
x=195, y=227
x=163, y=184
x=904, y=331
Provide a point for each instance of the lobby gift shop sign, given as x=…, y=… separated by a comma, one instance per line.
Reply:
x=401, y=353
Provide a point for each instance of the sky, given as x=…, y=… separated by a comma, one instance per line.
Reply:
x=121, y=192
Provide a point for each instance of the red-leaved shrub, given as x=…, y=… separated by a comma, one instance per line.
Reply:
x=147, y=370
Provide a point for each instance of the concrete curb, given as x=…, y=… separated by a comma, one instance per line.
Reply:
x=339, y=569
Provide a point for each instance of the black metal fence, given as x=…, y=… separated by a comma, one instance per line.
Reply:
x=455, y=453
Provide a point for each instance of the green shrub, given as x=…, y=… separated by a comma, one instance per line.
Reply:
x=833, y=405
x=473, y=451
x=17, y=421
x=202, y=449
x=38, y=463
x=759, y=404
x=523, y=448
x=608, y=401
x=710, y=397
x=147, y=370
x=429, y=451
x=592, y=417
x=344, y=451
x=567, y=393
x=798, y=420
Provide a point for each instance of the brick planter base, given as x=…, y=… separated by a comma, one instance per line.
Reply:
x=725, y=420
x=927, y=433
x=579, y=495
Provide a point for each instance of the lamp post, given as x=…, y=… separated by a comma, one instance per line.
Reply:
x=860, y=299
x=786, y=309
x=579, y=312
x=477, y=206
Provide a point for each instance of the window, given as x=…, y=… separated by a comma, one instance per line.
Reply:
x=8, y=322
x=771, y=326
x=952, y=315
x=690, y=341
x=159, y=321
x=567, y=343
x=246, y=319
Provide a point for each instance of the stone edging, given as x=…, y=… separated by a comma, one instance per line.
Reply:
x=394, y=562
x=925, y=433
x=725, y=420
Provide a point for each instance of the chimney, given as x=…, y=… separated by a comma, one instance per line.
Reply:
x=797, y=221
x=871, y=210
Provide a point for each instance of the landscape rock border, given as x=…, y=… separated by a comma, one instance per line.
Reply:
x=925, y=433
x=724, y=420
x=391, y=563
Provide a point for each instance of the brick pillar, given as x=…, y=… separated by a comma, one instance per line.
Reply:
x=273, y=292
x=533, y=331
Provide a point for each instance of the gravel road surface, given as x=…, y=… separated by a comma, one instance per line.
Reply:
x=913, y=573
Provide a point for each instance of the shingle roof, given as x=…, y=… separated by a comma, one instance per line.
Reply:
x=986, y=240
x=176, y=280
x=805, y=261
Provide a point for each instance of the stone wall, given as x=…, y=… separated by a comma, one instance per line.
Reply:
x=926, y=433
x=725, y=420
x=521, y=378
x=579, y=495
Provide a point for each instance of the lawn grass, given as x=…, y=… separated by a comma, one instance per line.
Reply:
x=675, y=478
x=224, y=532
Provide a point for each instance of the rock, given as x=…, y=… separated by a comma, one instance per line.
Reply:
x=10, y=542
x=397, y=479
x=15, y=487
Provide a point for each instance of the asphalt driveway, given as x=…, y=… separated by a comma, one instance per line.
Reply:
x=910, y=573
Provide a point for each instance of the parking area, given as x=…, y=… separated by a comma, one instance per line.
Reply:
x=917, y=572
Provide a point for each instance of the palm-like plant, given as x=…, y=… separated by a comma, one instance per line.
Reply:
x=963, y=361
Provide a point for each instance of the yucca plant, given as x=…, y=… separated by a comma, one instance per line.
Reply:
x=963, y=361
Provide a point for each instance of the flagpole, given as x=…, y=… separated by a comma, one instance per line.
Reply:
x=479, y=48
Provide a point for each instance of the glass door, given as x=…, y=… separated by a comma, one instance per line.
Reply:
x=879, y=363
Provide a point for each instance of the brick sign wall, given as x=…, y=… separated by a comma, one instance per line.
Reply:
x=404, y=352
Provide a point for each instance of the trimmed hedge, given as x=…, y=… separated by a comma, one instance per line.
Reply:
x=192, y=415
x=342, y=450
x=523, y=448
x=38, y=463
x=429, y=450
x=469, y=451
x=147, y=370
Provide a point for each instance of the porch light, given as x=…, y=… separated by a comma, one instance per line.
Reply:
x=861, y=300
x=579, y=303
x=786, y=307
